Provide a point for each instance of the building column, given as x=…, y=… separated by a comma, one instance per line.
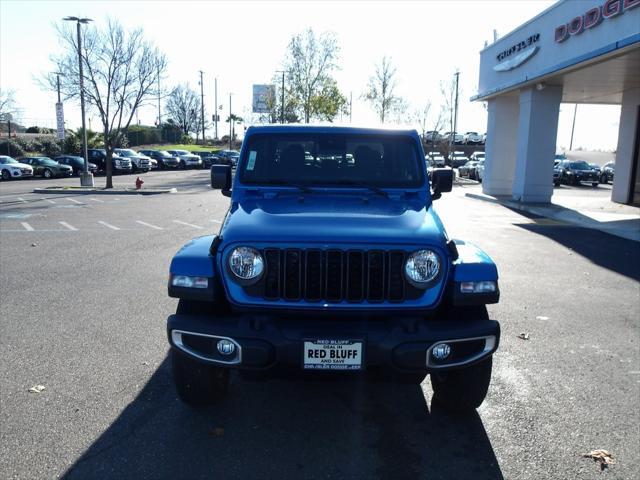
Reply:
x=622, y=181
x=500, y=148
x=537, y=133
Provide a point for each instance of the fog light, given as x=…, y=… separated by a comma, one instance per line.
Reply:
x=441, y=351
x=226, y=347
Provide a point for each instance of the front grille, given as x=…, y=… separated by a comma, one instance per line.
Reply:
x=314, y=275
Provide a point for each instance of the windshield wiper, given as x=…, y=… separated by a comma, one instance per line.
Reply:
x=353, y=183
x=284, y=183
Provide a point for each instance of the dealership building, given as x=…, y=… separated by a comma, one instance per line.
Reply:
x=573, y=52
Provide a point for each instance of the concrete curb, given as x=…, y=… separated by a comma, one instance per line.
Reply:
x=561, y=214
x=104, y=191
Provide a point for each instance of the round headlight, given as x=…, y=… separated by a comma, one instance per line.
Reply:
x=246, y=263
x=422, y=267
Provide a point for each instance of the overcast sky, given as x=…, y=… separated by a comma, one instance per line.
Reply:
x=244, y=43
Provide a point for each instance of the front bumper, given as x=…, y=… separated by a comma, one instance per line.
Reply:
x=399, y=345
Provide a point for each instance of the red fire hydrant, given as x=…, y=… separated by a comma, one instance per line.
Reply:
x=139, y=183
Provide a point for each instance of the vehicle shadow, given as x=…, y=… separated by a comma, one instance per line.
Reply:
x=614, y=253
x=279, y=429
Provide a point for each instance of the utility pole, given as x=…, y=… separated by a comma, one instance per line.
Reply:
x=350, y=105
x=58, y=81
x=159, y=112
x=282, y=96
x=573, y=126
x=452, y=136
x=202, y=104
x=230, y=122
x=215, y=108
x=86, y=178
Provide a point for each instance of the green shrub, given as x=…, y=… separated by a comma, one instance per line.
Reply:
x=71, y=145
x=50, y=147
x=186, y=140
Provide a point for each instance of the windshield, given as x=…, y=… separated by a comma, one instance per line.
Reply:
x=125, y=152
x=180, y=152
x=320, y=159
x=164, y=154
x=580, y=166
x=7, y=160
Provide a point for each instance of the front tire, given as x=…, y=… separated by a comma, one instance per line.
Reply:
x=47, y=173
x=594, y=184
x=462, y=390
x=6, y=175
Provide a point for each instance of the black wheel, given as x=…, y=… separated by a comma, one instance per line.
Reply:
x=197, y=383
x=595, y=184
x=47, y=173
x=557, y=183
x=6, y=175
x=462, y=390
x=603, y=179
x=183, y=165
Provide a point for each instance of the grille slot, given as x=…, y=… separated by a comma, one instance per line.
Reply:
x=331, y=276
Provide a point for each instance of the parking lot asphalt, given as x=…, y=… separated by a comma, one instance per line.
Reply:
x=84, y=302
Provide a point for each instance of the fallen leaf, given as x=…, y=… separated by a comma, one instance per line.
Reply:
x=145, y=363
x=602, y=457
x=37, y=389
x=542, y=318
x=217, y=432
x=34, y=244
x=524, y=336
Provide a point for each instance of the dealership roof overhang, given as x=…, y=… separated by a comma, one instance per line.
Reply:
x=591, y=49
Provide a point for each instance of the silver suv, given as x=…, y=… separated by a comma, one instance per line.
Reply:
x=139, y=163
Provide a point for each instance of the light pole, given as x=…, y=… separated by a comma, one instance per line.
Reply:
x=282, y=96
x=230, y=123
x=86, y=178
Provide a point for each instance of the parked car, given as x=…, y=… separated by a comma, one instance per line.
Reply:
x=208, y=158
x=480, y=171
x=47, y=168
x=457, y=159
x=472, y=138
x=10, y=168
x=437, y=158
x=261, y=295
x=477, y=156
x=597, y=168
x=576, y=172
x=458, y=138
x=164, y=158
x=557, y=172
x=606, y=174
x=118, y=164
x=484, y=138
x=77, y=163
x=432, y=136
x=187, y=159
x=139, y=162
x=230, y=156
x=468, y=169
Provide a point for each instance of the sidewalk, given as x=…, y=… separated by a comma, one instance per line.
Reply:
x=581, y=207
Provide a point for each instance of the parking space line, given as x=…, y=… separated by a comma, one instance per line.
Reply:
x=96, y=200
x=75, y=201
x=188, y=224
x=22, y=200
x=26, y=226
x=70, y=227
x=50, y=201
x=148, y=225
x=112, y=227
x=217, y=221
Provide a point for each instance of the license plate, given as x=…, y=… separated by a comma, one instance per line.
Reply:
x=332, y=355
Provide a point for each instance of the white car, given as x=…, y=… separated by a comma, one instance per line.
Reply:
x=472, y=138
x=480, y=171
x=11, y=168
x=139, y=162
x=477, y=156
x=432, y=136
x=187, y=159
x=457, y=159
x=437, y=157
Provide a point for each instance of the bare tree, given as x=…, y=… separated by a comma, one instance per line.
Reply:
x=309, y=64
x=381, y=90
x=7, y=101
x=121, y=72
x=183, y=107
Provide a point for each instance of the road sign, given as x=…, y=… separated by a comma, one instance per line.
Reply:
x=60, y=120
x=263, y=98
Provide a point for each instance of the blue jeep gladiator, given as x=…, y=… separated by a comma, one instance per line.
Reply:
x=332, y=261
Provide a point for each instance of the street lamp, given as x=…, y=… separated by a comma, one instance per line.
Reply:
x=86, y=178
x=230, y=123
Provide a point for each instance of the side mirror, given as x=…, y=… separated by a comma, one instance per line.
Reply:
x=441, y=181
x=221, y=178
